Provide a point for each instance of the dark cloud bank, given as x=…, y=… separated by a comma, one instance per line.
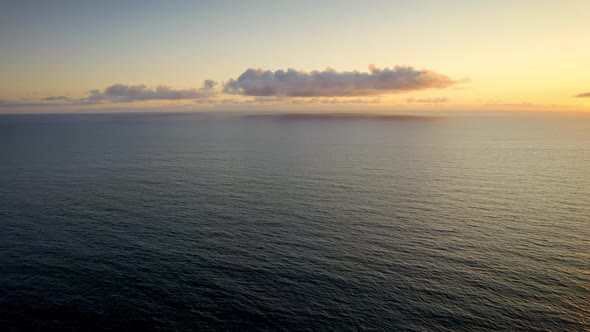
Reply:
x=583, y=95
x=330, y=83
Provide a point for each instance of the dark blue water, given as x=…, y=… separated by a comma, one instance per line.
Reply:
x=191, y=222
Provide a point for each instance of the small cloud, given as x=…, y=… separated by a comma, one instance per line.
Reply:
x=346, y=116
x=230, y=101
x=12, y=103
x=120, y=93
x=335, y=101
x=206, y=101
x=209, y=85
x=296, y=101
x=330, y=83
x=427, y=100
x=500, y=103
x=583, y=95
x=56, y=98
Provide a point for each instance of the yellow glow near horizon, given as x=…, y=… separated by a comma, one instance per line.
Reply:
x=513, y=53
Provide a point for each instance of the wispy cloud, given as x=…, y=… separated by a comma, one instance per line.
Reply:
x=427, y=100
x=583, y=95
x=286, y=100
x=331, y=83
x=56, y=98
x=120, y=93
x=335, y=101
x=346, y=116
x=12, y=103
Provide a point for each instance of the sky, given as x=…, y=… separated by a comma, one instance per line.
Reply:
x=282, y=55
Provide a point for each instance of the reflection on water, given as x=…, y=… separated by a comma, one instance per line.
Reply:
x=457, y=222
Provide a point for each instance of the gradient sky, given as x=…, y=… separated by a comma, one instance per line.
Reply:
x=504, y=55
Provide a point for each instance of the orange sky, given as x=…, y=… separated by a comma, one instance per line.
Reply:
x=499, y=55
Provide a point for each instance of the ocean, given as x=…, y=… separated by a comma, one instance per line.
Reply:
x=288, y=222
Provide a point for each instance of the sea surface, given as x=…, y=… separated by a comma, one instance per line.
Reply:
x=188, y=222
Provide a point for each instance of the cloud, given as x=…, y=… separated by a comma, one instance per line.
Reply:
x=313, y=100
x=330, y=83
x=206, y=101
x=56, y=98
x=12, y=103
x=209, y=84
x=285, y=100
x=335, y=101
x=345, y=116
x=120, y=93
x=583, y=95
x=427, y=100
